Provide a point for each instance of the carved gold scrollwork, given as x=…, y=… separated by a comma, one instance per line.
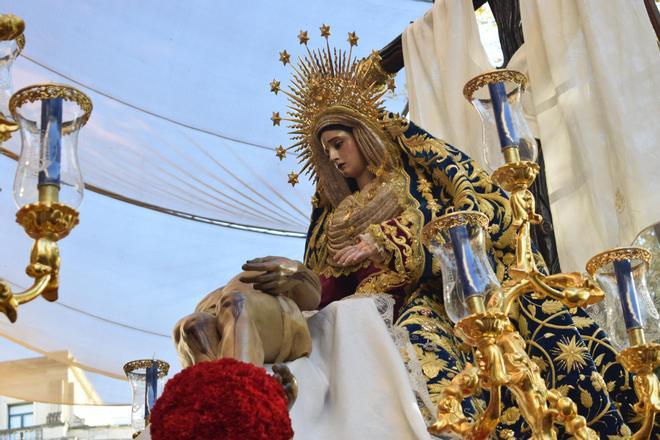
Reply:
x=503, y=361
x=624, y=253
x=11, y=27
x=493, y=77
x=450, y=412
x=162, y=366
x=516, y=176
x=433, y=228
x=39, y=92
x=53, y=220
x=7, y=127
x=642, y=360
x=46, y=223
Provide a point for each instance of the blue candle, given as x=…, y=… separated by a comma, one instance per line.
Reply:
x=502, y=113
x=627, y=294
x=471, y=278
x=151, y=389
x=51, y=141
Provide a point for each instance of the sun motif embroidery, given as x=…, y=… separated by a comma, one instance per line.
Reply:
x=571, y=354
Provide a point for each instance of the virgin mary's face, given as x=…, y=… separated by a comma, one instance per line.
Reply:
x=343, y=151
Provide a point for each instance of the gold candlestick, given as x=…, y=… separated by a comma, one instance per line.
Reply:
x=500, y=354
x=641, y=358
x=45, y=219
x=501, y=358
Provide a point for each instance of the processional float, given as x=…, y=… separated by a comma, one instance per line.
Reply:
x=48, y=188
x=479, y=305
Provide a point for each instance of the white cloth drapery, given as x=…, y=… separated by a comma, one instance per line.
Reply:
x=442, y=51
x=595, y=74
x=595, y=70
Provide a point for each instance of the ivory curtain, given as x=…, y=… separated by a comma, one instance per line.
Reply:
x=595, y=70
x=442, y=51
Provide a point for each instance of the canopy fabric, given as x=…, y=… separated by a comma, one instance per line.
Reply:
x=181, y=121
x=437, y=69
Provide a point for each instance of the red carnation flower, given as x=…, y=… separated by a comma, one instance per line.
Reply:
x=225, y=399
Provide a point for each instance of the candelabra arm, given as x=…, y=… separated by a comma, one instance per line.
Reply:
x=515, y=291
x=482, y=331
x=577, y=290
x=647, y=389
x=517, y=177
x=564, y=411
x=46, y=223
x=44, y=268
x=7, y=127
x=525, y=262
x=540, y=407
x=9, y=301
x=487, y=422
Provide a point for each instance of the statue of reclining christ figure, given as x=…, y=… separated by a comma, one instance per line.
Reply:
x=255, y=318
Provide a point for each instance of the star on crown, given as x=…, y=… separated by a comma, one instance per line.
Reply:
x=293, y=178
x=285, y=58
x=280, y=152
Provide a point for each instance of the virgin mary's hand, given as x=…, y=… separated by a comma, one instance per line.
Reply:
x=286, y=277
x=277, y=277
x=357, y=253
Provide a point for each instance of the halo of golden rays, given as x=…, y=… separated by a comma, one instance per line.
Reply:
x=322, y=78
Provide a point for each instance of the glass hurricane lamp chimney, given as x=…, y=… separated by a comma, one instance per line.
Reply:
x=50, y=117
x=497, y=96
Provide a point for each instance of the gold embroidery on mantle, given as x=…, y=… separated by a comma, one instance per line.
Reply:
x=469, y=187
x=383, y=281
x=396, y=229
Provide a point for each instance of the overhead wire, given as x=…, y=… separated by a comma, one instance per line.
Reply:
x=284, y=215
x=249, y=187
x=144, y=110
x=181, y=214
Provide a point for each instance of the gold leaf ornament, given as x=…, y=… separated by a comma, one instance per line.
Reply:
x=597, y=381
x=510, y=415
x=564, y=389
x=582, y=322
x=551, y=306
x=585, y=398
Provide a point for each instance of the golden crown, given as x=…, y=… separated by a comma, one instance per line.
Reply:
x=324, y=78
